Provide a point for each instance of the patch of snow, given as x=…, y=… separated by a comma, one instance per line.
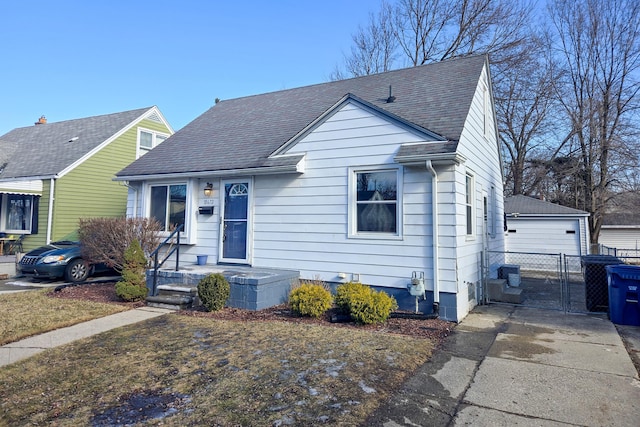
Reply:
x=366, y=388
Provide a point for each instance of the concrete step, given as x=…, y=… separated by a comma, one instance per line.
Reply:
x=512, y=295
x=500, y=291
x=174, y=297
x=171, y=302
x=495, y=288
x=177, y=290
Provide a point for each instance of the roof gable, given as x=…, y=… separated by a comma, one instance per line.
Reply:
x=48, y=149
x=243, y=133
x=525, y=205
x=352, y=99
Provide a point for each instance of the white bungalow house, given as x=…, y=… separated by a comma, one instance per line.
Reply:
x=374, y=179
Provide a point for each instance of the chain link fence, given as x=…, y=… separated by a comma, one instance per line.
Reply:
x=530, y=279
x=571, y=283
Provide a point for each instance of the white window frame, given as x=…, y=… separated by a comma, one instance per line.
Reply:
x=469, y=204
x=154, y=140
x=187, y=209
x=352, y=225
x=5, y=211
x=492, y=212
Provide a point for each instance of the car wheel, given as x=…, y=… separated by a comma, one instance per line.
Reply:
x=76, y=271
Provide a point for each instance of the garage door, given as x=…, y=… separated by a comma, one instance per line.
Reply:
x=548, y=236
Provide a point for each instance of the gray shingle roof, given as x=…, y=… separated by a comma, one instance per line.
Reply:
x=241, y=133
x=45, y=149
x=525, y=205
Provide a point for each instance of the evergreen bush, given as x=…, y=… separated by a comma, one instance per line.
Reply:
x=214, y=291
x=347, y=292
x=133, y=286
x=363, y=304
x=310, y=300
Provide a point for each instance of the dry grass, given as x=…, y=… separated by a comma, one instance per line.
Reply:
x=181, y=370
x=28, y=313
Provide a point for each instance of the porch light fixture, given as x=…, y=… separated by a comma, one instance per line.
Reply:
x=208, y=189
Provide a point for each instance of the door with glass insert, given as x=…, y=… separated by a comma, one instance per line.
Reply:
x=234, y=233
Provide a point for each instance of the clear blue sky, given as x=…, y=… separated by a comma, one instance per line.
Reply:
x=69, y=59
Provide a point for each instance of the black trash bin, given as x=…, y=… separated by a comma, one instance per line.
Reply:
x=595, y=280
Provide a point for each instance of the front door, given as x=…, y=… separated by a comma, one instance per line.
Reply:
x=235, y=227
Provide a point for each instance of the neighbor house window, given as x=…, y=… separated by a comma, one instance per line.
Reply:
x=168, y=204
x=469, y=204
x=375, y=206
x=17, y=213
x=148, y=139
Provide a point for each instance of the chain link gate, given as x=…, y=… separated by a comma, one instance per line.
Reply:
x=523, y=278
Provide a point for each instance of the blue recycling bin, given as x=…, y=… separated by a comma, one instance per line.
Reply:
x=624, y=287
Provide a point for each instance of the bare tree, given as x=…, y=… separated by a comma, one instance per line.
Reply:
x=599, y=46
x=374, y=47
x=416, y=32
x=523, y=93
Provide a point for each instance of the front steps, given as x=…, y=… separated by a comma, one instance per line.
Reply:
x=174, y=297
x=500, y=291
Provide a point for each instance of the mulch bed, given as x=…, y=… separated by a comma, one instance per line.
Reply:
x=433, y=329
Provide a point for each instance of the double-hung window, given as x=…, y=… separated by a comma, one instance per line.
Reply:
x=168, y=205
x=147, y=139
x=469, y=203
x=376, y=208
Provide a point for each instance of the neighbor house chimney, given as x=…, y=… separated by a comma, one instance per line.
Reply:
x=42, y=120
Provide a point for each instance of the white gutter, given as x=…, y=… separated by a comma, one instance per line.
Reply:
x=50, y=215
x=434, y=226
x=269, y=170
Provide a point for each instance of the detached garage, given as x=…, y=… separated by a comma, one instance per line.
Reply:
x=537, y=226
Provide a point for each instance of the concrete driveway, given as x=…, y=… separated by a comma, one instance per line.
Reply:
x=506, y=365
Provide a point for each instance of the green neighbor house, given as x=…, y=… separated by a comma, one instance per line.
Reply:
x=53, y=174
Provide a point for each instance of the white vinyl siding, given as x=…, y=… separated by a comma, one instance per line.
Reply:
x=479, y=146
x=303, y=221
x=621, y=237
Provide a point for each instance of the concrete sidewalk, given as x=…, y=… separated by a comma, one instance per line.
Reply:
x=505, y=366
x=27, y=347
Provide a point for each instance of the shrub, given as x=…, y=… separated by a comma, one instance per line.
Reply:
x=363, y=304
x=133, y=286
x=214, y=291
x=106, y=239
x=347, y=292
x=310, y=300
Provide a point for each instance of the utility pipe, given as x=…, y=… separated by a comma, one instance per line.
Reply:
x=434, y=232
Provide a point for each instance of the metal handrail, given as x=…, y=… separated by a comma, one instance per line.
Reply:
x=154, y=255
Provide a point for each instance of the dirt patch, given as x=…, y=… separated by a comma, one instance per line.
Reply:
x=432, y=329
x=96, y=292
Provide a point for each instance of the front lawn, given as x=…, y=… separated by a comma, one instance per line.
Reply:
x=32, y=312
x=187, y=370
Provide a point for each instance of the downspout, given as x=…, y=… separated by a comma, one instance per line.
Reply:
x=52, y=187
x=434, y=232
